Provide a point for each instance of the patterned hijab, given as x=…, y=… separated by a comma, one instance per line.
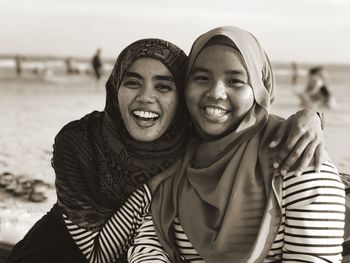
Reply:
x=221, y=192
x=175, y=60
x=108, y=164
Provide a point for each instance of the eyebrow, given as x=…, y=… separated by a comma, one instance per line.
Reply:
x=236, y=72
x=164, y=77
x=157, y=77
x=133, y=74
x=233, y=72
x=196, y=69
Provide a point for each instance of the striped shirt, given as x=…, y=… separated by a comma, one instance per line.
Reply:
x=114, y=239
x=312, y=228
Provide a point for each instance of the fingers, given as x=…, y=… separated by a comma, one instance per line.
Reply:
x=305, y=120
x=302, y=136
x=306, y=158
x=320, y=157
x=300, y=152
x=287, y=147
x=279, y=135
x=294, y=136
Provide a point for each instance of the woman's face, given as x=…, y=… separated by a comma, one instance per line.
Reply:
x=218, y=95
x=147, y=99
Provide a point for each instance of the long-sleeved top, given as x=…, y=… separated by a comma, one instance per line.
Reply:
x=311, y=230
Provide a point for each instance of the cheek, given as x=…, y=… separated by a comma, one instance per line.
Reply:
x=124, y=100
x=243, y=99
x=192, y=96
x=169, y=105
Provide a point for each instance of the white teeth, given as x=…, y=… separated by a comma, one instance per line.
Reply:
x=146, y=114
x=215, y=112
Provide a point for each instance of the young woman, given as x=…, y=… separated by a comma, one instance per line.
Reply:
x=225, y=203
x=102, y=158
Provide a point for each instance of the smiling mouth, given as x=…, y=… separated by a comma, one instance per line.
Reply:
x=145, y=118
x=215, y=112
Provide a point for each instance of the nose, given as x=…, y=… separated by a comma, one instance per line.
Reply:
x=217, y=91
x=146, y=94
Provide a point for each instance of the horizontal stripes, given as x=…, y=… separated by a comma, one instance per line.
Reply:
x=311, y=230
x=118, y=233
x=314, y=214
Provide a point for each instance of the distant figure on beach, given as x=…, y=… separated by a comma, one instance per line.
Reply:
x=18, y=60
x=294, y=73
x=97, y=64
x=69, y=66
x=316, y=93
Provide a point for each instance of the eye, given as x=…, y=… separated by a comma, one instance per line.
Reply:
x=132, y=84
x=164, y=87
x=201, y=79
x=235, y=81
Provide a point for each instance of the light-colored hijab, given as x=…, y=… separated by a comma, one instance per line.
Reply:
x=221, y=193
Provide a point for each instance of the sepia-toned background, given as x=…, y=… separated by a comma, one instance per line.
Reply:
x=36, y=103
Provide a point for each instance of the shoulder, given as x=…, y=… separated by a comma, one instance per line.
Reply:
x=76, y=135
x=274, y=121
x=314, y=187
x=79, y=128
x=327, y=173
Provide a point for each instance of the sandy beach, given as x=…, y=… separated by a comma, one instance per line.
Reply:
x=34, y=108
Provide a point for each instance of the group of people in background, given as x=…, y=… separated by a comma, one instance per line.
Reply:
x=95, y=69
x=316, y=93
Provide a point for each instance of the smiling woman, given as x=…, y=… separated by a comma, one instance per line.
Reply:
x=102, y=158
x=225, y=203
x=216, y=109
x=148, y=99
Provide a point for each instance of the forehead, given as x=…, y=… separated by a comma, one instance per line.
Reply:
x=219, y=55
x=150, y=66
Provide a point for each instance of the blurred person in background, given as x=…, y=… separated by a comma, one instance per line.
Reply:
x=97, y=66
x=317, y=93
x=69, y=65
x=295, y=73
x=18, y=61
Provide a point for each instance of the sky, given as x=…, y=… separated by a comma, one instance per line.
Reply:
x=316, y=31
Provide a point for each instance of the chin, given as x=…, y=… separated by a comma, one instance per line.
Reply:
x=213, y=131
x=145, y=137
